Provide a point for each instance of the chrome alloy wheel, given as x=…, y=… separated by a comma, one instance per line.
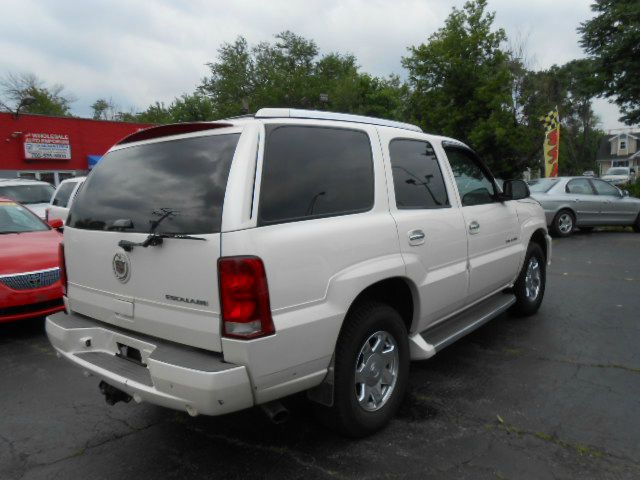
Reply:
x=565, y=223
x=533, y=279
x=376, y=371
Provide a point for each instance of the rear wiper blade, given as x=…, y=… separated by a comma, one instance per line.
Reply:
x=154, y=240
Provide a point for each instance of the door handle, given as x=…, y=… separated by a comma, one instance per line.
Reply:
x=474, y=227
x=416, y=237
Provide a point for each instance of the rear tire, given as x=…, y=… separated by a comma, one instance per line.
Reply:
x=563, y=223
x=371, y=370
x=530, y=285
x=636, y=224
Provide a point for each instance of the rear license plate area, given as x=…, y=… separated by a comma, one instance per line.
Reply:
x=130, y=354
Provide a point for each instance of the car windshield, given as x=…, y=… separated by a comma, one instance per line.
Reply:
x=27, y=194
x=15, y=218
x=542, y=185
x=617, y=171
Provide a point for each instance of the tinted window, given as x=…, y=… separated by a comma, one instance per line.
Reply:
x=604, y=188
x=311, y=172
x=28, y=193
x=63, y=194
x=417, y=178
x=474, y=185
x=176, y=186
x=579, y=186
x=15, y=218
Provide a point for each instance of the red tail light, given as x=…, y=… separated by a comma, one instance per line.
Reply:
x=244, y=298
x=63, y=268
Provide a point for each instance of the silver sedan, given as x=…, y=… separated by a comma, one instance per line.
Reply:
x=584, y=202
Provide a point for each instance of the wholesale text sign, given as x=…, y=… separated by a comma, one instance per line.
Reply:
x=46, y=146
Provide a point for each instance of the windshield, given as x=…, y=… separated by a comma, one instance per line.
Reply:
x=542, y=185
x=15, y=218
x=27, y=194
x=617, y=171
x=175, y=187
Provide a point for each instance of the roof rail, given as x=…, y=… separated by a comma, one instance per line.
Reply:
x=322, y=115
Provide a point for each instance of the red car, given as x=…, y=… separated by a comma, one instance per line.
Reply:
x=29, y=274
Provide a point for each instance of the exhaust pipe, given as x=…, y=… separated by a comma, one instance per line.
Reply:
x=112, y=395
x=275, y=411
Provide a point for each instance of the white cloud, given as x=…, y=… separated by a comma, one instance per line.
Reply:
x=140, y=52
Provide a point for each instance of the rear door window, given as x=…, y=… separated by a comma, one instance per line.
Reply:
x=580, y=186
x=174, y=186
x=63, y=194
x=417, y=178
x=314, y=172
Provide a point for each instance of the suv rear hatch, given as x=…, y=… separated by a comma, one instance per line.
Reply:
x=173, y=189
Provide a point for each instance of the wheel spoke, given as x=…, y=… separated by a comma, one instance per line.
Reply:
x=387, y=377
x=376, y=395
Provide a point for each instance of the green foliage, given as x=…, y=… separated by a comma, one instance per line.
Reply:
x=612, y=39
x=291, y=73
x=14, y=89
x=462, y=86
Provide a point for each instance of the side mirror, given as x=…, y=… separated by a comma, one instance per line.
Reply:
x=625, y=193
x=516, y=189
x=55, y=223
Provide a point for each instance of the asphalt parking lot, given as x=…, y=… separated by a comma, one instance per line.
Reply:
x=552, y=396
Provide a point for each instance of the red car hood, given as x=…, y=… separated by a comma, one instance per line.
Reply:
x=29, y=251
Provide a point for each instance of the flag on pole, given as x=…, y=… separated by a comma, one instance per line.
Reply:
x=551, y=146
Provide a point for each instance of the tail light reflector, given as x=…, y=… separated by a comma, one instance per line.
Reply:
x=244, y=298
x=63, y=268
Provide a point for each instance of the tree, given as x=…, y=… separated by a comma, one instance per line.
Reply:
x=48, y=100
x=290, y=72
x=462, y=84
x=612, y=40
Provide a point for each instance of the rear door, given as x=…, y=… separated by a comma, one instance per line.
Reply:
x=584, y=201
x=171, y=186
x=495, y=247
x=430, y=224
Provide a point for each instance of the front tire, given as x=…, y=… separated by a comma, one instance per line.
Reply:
x=530, y=285
x=371, y=370
x=563, y=223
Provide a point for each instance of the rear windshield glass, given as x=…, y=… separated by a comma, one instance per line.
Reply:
x=27, y=194
x=176, y=186
x=542, y=185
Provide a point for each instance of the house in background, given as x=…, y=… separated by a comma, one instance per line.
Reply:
x=620, y=150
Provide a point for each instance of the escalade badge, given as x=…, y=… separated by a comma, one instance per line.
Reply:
x=121, y=267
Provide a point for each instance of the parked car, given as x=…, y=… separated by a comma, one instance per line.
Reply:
x=33, y=194
x=589, y=173
x=619, y=176
x=583, y=202
x=215, y=266
x=29, y=273
x=63, y=198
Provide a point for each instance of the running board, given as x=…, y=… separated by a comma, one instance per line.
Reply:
x=425, y=344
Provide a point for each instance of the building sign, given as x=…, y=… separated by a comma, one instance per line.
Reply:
x=46, y=146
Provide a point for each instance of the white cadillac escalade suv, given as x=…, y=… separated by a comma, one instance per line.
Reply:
x=211, y=267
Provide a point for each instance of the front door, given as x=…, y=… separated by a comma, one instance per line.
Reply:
x=495, y=247
x=614, y=208
x=430, y=225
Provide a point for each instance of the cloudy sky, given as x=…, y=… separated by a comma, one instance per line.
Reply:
x=137, y=52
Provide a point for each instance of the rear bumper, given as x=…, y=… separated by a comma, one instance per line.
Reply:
x=175, y=376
